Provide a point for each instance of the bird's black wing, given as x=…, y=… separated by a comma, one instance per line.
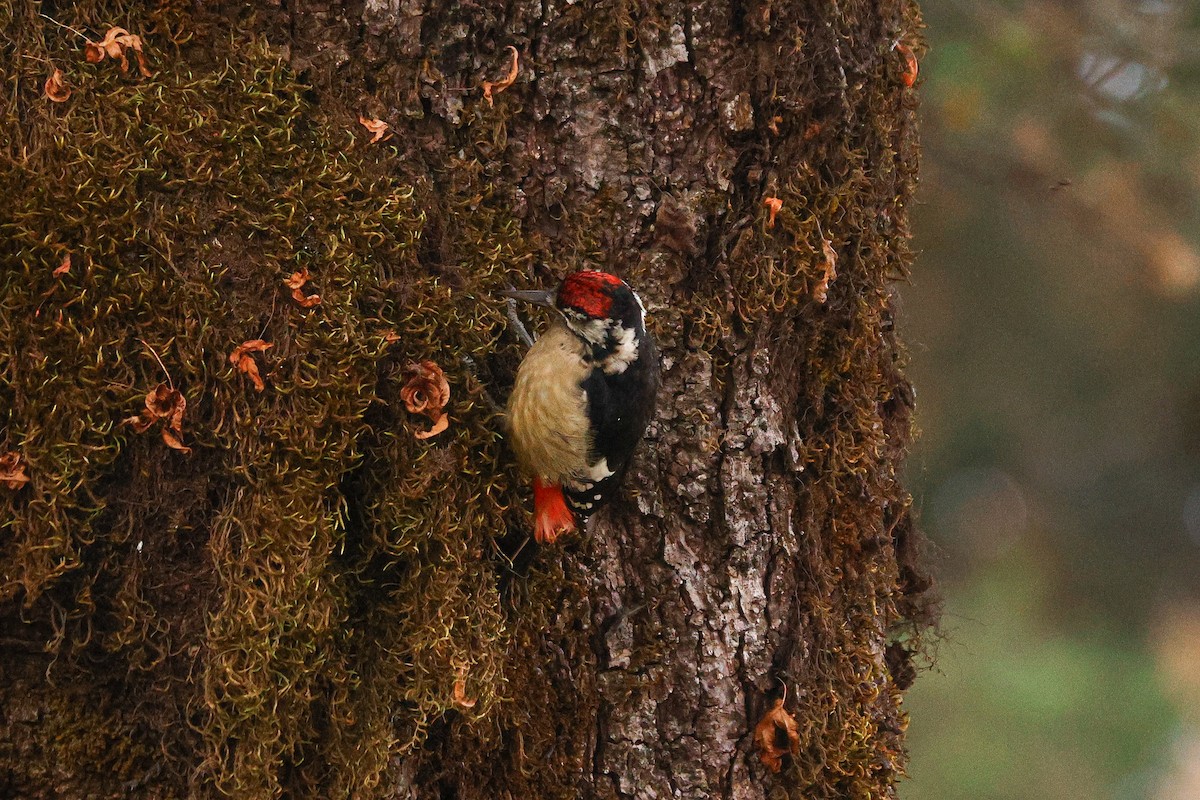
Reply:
x=619, y=407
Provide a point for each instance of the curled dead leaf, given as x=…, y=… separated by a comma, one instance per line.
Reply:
x=306, y=300
x=776, y=735
x=391, y=337
x=64, y=267
x=426, y=392
x=162, y=403
x=57, y=89
x=375, y=126
x=297, y=279
x=460, y=690
x=12, y=470
x=114, y=44
x=909, y=76
x=821, y=291
x=296, y=282
x=241, y=358
x=811, y=130
x=773, y=205
x=440, y=424
x=174, y=442
x=496, y=87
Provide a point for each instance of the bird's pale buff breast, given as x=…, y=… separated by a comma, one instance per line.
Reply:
x=547, y=410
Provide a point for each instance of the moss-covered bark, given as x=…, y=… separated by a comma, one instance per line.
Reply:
x=315, y=603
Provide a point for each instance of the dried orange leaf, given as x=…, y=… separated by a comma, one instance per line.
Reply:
x=460, y=690
x=909, y=76
x=440, y=424
x=490, y=88
x=426, y=392
x=247, y=365
x=12, y=470
x=297, y=279
x=56, y=89
x=306, y=300
x=177, y=414
x=108, y=46
x=136, y=44
x=776, y=735
x=250, y=346
x=64, y=267
x=391, y=337
x=162, y=402
x=174, y=442
x=114, y=44
x=111, y=41
x=375, y=126
x=241, y=358
x=821, y=291
x=773, y=205
x=296, y=282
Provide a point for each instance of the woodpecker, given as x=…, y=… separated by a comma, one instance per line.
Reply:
x=583, y=396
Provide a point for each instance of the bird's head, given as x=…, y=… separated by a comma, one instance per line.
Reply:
x=601, y=310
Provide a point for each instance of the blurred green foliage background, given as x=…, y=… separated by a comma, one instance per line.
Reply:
x=1054, y=323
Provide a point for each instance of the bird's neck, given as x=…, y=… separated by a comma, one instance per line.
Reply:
x=610, y=345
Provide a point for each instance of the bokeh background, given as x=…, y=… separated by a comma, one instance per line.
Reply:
x=1054, y=326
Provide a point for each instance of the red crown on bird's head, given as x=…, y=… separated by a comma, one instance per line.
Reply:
x=589, y=292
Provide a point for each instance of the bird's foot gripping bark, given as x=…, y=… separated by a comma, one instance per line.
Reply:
x=551, y=517
x=516, y=326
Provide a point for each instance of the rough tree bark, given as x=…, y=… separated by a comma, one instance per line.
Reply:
x=413, y=642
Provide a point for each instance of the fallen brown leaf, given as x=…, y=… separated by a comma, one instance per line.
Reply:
x=496, y=87
x=57, y=89
x=241, y=358
x=821, y=291
x=64, y=267
x=426, y=392
x=773, y=205
x=93, y=52
x=391, y=337
x=909, y=76
x=306, y=300
x=174, y=442
x=296, y=282
x=114, y=44
x=297, y=279
x=776, y=735
x=460, y=690
x=12, y=470
x=375, y=126
x=440, y=424
x=162, y=403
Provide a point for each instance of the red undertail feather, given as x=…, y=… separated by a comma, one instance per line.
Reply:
x=551, y=517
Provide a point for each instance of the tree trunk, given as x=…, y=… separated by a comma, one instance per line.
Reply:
x=314, y=602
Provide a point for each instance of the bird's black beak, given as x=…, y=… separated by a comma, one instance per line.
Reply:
x=541, y=297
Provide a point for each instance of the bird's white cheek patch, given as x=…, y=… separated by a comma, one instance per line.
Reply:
x=594, y=331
